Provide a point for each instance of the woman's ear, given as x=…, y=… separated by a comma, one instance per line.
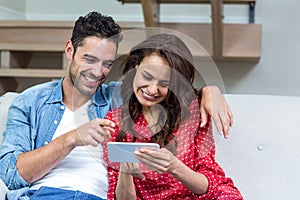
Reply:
x=69, y=49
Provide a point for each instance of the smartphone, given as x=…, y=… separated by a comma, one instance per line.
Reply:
x=124, y=151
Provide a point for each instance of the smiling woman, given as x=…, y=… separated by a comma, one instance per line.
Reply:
x=151, y=80
x=160, y=106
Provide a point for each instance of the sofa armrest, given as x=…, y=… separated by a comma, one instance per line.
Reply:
x=3, y=190
x=5, y=101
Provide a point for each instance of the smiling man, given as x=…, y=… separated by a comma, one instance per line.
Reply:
x=49, y=125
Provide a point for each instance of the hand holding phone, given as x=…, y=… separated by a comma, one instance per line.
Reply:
x=124, y=151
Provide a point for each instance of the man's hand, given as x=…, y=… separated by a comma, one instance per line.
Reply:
x=214, y=104
x=94, y=132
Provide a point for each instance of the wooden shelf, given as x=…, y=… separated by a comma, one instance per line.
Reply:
x=240, y=41
x=24, y=45
x=49, y=47
x=32, y=73
x=221, y=41
x=47, y=32
x=191, y=1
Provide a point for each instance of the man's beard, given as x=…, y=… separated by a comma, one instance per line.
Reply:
x=75, y=80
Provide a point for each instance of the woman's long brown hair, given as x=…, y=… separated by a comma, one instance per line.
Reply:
x=181, y=91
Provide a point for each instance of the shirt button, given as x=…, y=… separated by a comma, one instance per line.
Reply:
x=260, y=147
x=45, y=143
x=55, y=121
x=62, y=107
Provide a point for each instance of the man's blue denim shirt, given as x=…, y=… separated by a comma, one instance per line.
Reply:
x=33, y=118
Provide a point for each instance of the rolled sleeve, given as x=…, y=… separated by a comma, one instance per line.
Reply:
x=220, y=187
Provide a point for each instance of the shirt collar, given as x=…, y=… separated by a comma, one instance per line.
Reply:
x=98, y=98
x=56, y=95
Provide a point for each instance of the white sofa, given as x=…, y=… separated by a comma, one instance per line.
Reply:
x=262, y=152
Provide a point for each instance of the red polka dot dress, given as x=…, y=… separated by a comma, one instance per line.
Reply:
x=195, y=148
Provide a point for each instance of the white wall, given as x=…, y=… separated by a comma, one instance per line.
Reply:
x=12, y=9
x=71, y=9
x=68, y=9
x=278, y=70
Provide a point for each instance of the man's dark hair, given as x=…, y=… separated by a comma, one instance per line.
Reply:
x=95, y=24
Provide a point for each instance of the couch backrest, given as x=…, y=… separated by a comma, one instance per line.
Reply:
x=262, y=152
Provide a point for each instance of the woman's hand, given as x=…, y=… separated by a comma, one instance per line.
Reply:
x=125, y=189
x=131, y=168
x=214, y=104
x=161, y=160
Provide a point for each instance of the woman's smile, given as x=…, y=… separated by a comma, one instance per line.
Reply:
x=149, y=97
x=151, y=80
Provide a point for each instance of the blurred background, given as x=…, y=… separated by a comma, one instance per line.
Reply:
x=275, y=72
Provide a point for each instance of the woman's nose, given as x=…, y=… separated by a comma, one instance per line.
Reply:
x=153, y=88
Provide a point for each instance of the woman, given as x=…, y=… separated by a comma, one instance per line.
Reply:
x=160, y=106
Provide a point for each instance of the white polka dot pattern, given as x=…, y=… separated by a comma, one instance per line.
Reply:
x=197, y=151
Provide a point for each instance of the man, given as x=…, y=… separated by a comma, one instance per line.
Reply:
x=46, y=151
